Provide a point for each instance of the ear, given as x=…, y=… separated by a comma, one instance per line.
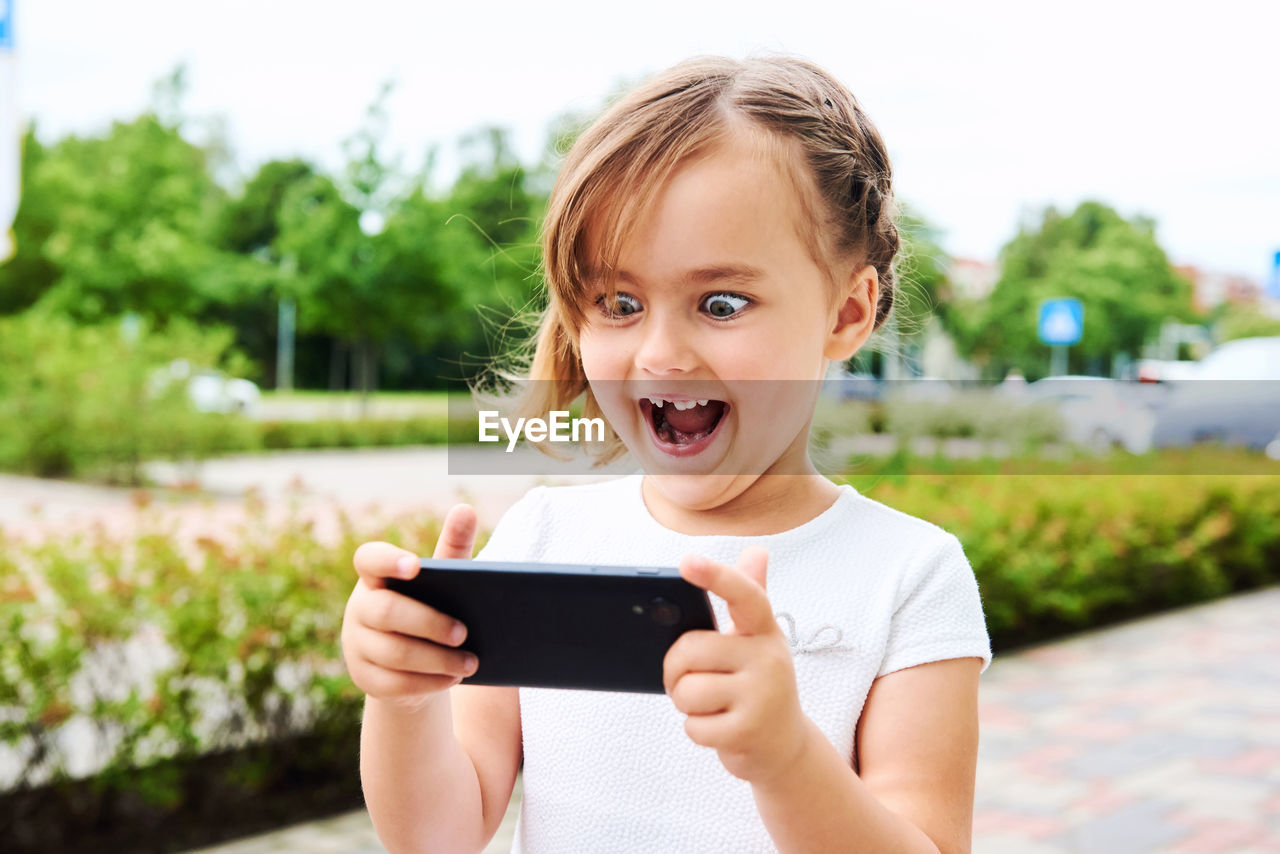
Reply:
x=855, y=317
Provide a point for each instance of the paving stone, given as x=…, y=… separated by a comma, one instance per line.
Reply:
x=1135, y=828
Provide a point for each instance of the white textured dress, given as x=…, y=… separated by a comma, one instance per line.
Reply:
x=860, y=591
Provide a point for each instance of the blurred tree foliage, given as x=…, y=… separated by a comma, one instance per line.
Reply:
x=384, y=270
x=115, y=224
x=397, y=283
x=924, y=291
x=1112, y=265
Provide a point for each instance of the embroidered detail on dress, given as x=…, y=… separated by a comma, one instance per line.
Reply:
x=825, y=637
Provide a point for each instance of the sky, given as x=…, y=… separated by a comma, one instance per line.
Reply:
x=990, y=110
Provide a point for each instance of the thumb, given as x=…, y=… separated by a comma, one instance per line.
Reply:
x=753, y=562
x=458, y=534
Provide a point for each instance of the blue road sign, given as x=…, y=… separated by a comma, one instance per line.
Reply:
x=1061, y=321
x=1273, y=286
x=6, y=24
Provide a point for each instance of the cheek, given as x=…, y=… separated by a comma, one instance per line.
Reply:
x=605, y=365
x=603, y=357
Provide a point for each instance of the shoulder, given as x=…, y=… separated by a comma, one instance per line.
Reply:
x=918, y=558
x=911, y=541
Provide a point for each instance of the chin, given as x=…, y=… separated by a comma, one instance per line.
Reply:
x=700, y=491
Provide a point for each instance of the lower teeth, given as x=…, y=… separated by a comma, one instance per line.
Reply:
x=672, y=436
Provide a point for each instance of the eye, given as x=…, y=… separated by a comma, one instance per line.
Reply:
x=722, y=306
x=624, y=305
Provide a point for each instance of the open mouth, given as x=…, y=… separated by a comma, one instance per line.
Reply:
x=680, y=426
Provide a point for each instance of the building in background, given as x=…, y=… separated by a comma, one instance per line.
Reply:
x=1211, y=288
x=973, y=279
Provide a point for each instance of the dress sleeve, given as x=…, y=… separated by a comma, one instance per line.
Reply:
x=517, y=533
x=940, y=615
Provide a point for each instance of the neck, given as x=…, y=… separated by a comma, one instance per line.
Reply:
x=769, y=504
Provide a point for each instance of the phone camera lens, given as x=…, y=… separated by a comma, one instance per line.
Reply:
x=664, y=613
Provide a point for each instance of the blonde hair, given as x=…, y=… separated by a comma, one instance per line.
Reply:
x=797, y=112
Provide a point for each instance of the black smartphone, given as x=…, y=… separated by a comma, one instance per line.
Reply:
x=587, y=626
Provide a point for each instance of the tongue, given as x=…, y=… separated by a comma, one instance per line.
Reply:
x=699, y=419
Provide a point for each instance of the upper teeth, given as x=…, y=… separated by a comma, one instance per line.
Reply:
x=678, y=404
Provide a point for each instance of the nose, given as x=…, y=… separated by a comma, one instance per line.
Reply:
x=666, y=346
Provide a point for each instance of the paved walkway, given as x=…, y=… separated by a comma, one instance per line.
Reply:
x=1161, y=735
x=209, y=498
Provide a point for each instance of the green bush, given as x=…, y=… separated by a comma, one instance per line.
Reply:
x=1056, y=554
x=176, y=652
x=365, y=433
x=833, y=419
x=88, y=401
x=975, y=414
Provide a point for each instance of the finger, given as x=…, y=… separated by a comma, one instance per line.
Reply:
x=388, y=611
x=412, y=655
x=715, y=731
x=704, y=693
x=753, y=562
x=458, y=534
x=377, y=561
x=748, y=604
x=702, y=651
x=391, y=684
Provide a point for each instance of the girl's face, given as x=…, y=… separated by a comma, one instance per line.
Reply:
x=718, y=300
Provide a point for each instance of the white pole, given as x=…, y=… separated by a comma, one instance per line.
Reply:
x=284, y=344
x=10, y=131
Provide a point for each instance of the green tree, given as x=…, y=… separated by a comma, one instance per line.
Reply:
x=1112, y=265
x=121, y=222
x=331, y=236
x=127, y=218
x=247, y=226
x=1232, y=321
x=249, y=223
x=469, y=257
x=28, y=274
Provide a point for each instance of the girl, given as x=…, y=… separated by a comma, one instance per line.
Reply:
x=713, y=241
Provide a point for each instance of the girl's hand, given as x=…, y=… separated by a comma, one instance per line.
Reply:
x=738, y=688
x=396, y=648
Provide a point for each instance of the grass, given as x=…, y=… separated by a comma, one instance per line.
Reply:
x=327, y=404
x=1201, y=460
x=310, y=396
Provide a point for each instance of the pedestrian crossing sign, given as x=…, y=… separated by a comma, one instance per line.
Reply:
x=1061, y=321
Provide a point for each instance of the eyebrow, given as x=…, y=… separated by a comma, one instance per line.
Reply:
x=742, y=273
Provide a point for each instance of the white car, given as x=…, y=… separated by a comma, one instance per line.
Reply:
x=1232, y=398
x=1165, y=370
x=210, y=390
x=1097, y=412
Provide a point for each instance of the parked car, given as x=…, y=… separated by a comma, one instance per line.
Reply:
x=927, y=389
x=1165, y=370
x=211, y=390
x=844, y=385
x=1233, y=398
x=1097, y=412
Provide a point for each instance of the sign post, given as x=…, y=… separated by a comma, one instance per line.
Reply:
x=1061, y=324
